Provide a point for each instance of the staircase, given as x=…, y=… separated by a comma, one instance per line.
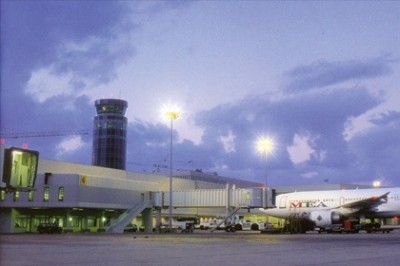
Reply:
x=125, y=218
x=235, y=210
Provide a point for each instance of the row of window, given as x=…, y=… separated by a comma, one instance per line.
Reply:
x=110, y=126
x=24, y=221
x=31, y=195
x=113, y=108
x=107, y=149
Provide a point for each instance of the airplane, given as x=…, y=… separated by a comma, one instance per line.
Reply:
x=325, y=210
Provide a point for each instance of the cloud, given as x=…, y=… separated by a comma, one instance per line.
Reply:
x=300, y=151
x=80, y=67
x=43, y=85
x=147, y=145
x=46, y=24
x=69, y=145
x=58, y=48
x=391, y=118
x=377, y=150
x=61, y=114
x=324, y=73
x=321, y=114
x=228, y=142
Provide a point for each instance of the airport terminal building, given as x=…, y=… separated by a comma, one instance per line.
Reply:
x=86, y=198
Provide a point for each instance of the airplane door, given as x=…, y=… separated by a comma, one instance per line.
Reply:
x=341, y=201
x=282, y=202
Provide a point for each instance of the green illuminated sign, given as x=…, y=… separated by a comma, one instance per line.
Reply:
x=20, y=167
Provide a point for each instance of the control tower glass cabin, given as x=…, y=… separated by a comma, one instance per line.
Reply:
x=109, y=134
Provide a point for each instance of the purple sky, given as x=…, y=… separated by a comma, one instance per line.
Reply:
x=321, y=78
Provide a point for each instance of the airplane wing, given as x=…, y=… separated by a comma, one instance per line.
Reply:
x=368, y=204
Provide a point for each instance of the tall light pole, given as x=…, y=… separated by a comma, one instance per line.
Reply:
x=172, y=114
x=265, y=145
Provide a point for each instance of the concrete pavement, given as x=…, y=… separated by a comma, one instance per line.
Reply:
x=201, y=248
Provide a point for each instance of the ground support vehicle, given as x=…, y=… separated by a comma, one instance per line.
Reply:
x=354, y=226
x=189, y=228
x=131, y=228
x=351, y=226
x=49, y=228
x=164, y=229
x=376, y=228
x=205, y=225
x=230, y=228
x=253, y=226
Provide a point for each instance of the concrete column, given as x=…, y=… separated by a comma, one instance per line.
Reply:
x=101, y=221
x=31, y=227
x=68, y=227
x=228, y=199
x=6, y=221
x=84, y=224
x=158, y=220
x=148, y=220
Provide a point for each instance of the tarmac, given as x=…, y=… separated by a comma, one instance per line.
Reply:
x=201, y=248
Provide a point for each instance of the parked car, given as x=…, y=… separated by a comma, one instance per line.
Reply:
x=131, y=228
x=49, y=228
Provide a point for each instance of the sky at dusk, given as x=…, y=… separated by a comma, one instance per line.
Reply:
x=321, y=78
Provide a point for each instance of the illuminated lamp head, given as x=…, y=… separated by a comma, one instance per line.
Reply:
x=265, y=145
x=172, y=112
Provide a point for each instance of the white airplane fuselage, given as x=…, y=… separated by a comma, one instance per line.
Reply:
x=326, y=207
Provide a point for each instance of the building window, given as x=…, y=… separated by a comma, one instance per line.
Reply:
x=16, y=195
x=61, y=194
x=46, y=194
x=91, y=222
x=21, y=222
x=30, y=195
x=75, y=221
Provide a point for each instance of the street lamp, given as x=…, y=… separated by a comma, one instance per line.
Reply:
x=376, y=184
x=265, y=145
x=172, y=114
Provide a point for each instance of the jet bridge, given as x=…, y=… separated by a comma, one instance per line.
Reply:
x=230, y=198
x=214, y=198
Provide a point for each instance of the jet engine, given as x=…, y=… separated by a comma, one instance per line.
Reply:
x=326, y=218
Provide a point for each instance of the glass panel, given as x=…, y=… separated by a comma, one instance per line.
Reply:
x=61, y=194
x=91, y=222
x=16, y=195
x=30, y=195
x=46, y=194
x=21, y=222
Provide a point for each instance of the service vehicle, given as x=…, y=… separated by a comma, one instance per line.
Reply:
x=131, y=228
x=49, y=228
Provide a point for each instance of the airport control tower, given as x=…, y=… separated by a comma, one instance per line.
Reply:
x=109, y=134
